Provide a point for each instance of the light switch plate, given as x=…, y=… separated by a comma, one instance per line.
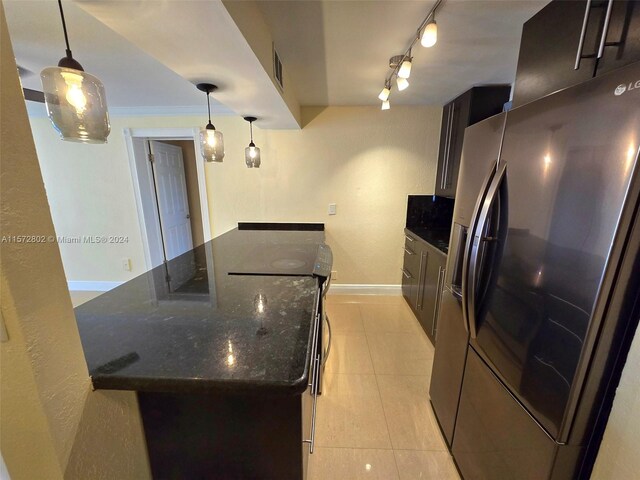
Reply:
x=332, y=209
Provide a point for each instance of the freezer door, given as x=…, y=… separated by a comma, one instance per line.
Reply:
x=543, y=242
x=448, y=364
x=495, y=437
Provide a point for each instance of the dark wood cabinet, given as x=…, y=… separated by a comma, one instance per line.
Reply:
x=410, y=269
x=422, y=282
x=472, y=106
x=551, y=45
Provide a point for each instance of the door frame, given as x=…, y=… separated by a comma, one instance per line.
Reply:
x=136, y=140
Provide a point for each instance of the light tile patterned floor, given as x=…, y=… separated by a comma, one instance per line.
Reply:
x=374, y=416
x=80, y=297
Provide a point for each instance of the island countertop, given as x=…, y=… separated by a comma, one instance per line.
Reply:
x=189, y=326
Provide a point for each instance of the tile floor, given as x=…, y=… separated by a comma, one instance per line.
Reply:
x=374, y=416
x=80, y=297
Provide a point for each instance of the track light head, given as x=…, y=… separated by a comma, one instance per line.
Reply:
x=430, y=34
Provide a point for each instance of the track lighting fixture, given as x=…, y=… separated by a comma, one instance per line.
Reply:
x=402, y=83
x=251, y=153
x=405, y=68
x=75, y=100
x=211, y=140
x=384, y=94
x=430, y=34
x=400, y=65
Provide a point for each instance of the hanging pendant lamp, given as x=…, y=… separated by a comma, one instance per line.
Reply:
x=251, y=153
x=76, y=101
x=211, y=140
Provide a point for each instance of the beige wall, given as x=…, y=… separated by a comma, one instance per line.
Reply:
x=52, y=425
x=364, y=160
x=193, y=193
x=618, y=456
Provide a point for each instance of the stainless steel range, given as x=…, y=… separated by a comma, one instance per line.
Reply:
x=292, y=259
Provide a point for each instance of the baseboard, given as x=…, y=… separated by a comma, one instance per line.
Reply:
x=82, y=286
x=363, y=289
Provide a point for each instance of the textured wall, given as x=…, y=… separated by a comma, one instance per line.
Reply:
x=365, y=160
x=44, y=387
x=618, y=456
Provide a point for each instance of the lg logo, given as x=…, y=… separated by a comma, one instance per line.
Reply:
x=620, y=89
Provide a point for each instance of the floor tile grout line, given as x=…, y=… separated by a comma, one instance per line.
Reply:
x=384, y=412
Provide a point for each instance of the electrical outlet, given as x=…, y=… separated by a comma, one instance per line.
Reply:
x=332, y=209
x=334, y=274
x=126, y=264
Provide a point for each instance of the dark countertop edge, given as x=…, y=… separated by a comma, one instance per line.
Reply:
x=421, y=238
x=199, y=386
x=210, y=386
x=283, y=226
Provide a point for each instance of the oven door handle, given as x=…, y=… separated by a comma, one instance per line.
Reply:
x=328, y=350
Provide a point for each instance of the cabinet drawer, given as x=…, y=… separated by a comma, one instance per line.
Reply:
x=412, y=258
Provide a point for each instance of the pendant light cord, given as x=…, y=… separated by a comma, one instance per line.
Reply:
x=251, y=130
x=208, y=108
x=64, y=29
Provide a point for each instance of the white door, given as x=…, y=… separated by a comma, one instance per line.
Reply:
x=171, y=189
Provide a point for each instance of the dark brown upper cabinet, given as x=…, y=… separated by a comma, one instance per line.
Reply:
x=571, y=41
x=472, y=106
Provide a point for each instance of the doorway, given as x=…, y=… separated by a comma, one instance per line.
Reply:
x=170, y=190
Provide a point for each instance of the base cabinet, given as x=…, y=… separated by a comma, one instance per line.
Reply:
x=423, y=280
x=220, y=435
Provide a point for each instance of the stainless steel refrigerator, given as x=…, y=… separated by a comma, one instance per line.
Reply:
x=541, y=296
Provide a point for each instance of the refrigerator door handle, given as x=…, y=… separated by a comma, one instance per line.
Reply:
x=467, y=249
x=583, y=33
x=476, y=240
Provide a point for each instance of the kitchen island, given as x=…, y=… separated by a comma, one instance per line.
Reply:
x=224, y=365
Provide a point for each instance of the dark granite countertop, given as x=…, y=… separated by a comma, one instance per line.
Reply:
x=199, y=329
x=438, y=238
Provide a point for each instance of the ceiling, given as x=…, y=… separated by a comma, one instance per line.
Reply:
x=134, y=81
x=148, y=53
x=337, y=52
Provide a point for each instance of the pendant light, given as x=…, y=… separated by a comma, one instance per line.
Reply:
x=251, y=153
x=385, y=105
x=211, y=140
x=75, y=100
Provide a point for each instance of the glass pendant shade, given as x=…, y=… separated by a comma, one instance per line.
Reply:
x=405, y=69
x=386, y=105
x=252, y=156
x=430, y=35
x=402, y=83
x=76, y=104
x=211, y=144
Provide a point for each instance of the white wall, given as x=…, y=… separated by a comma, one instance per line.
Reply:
x=365, y=160
x=52, y=424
